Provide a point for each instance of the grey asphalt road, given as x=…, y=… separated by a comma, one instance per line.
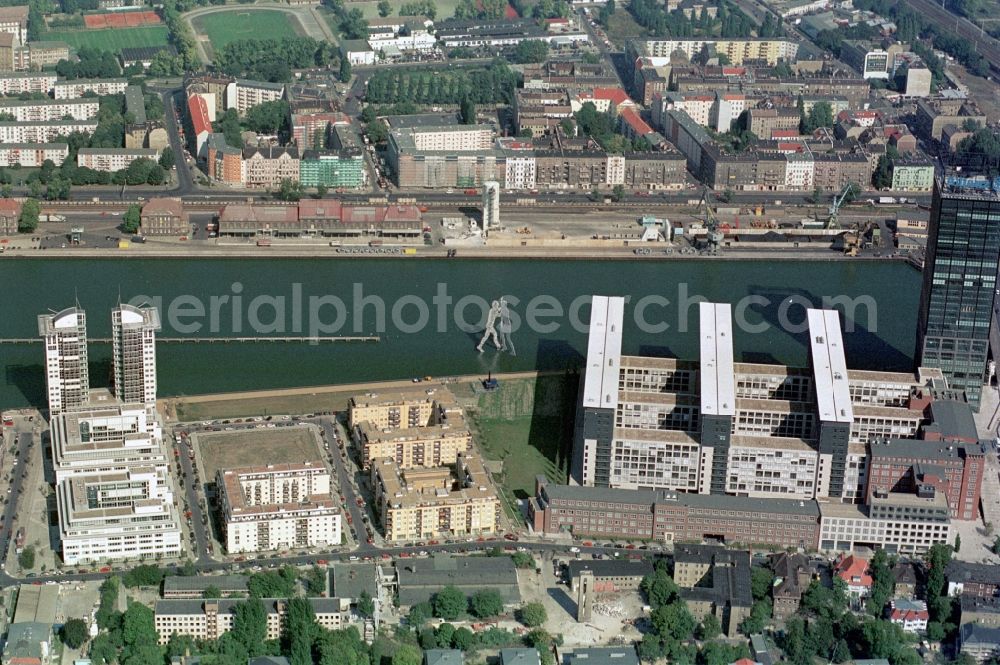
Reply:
x=344, y=475
x=185, y=181
x=201, y=536
x=341, y=555
x=13, y=499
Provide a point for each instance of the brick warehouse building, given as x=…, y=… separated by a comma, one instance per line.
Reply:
x=611, y=575
x=949, y=458
x=672, y=516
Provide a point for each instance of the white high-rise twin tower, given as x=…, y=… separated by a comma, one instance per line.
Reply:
x=113, y=492
x=133, y=339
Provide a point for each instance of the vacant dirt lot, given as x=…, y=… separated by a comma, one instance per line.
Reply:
x=256, y=447
x=609, y=622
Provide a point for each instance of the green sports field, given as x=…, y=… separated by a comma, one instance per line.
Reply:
x=112, y=39
x=224, y=27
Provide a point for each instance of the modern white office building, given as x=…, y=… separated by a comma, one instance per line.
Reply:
x=67, y=376
x=113, y=493
x=108, y=437
x=133, y=338
x=117, y=516
x=595, y=420
x=278, y=506
x=716, y=426
x=899, y=523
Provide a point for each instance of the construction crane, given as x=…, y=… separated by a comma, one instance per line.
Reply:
x=838, y=200
x=713, y=236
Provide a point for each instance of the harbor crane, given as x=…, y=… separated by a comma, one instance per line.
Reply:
x=713, y=236
x=838, y=200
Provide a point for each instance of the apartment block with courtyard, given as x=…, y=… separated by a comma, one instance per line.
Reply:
x=276, y=507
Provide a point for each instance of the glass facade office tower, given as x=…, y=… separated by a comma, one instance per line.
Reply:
x=959, y=284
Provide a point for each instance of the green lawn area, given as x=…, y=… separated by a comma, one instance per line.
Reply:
x=247, y=448
x=224, y=27
x=622, y=27
x=445, y=8
x=528, y=425
x=261, y=406
x=112, y=39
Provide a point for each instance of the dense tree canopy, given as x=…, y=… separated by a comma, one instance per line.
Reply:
x=228, y=124
x=91, y=63
x=449, y=603
x=268, y=118
x=406, y=655
x=146, y=574
x=550, y=9
x=491, y=85
x=272, y=59
x=167, y=158
x=425, y=8
x=820, y=115
x=883, y=582
x=729, y=21
x=531, y=51
x=600, y=127
x=130, y=224
x=74, y=633
x=250, y=625
x=659, y=588
x=340, y=647
x=271, y=584
x=710, y=628
x=353, y=24
x=366, y=606
x=523, y=560
x=981, y=151
x=108, y=593
x=481, y=9
x=300, y=631
x=486, y=603
x=882, y=175
x=533, y=615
